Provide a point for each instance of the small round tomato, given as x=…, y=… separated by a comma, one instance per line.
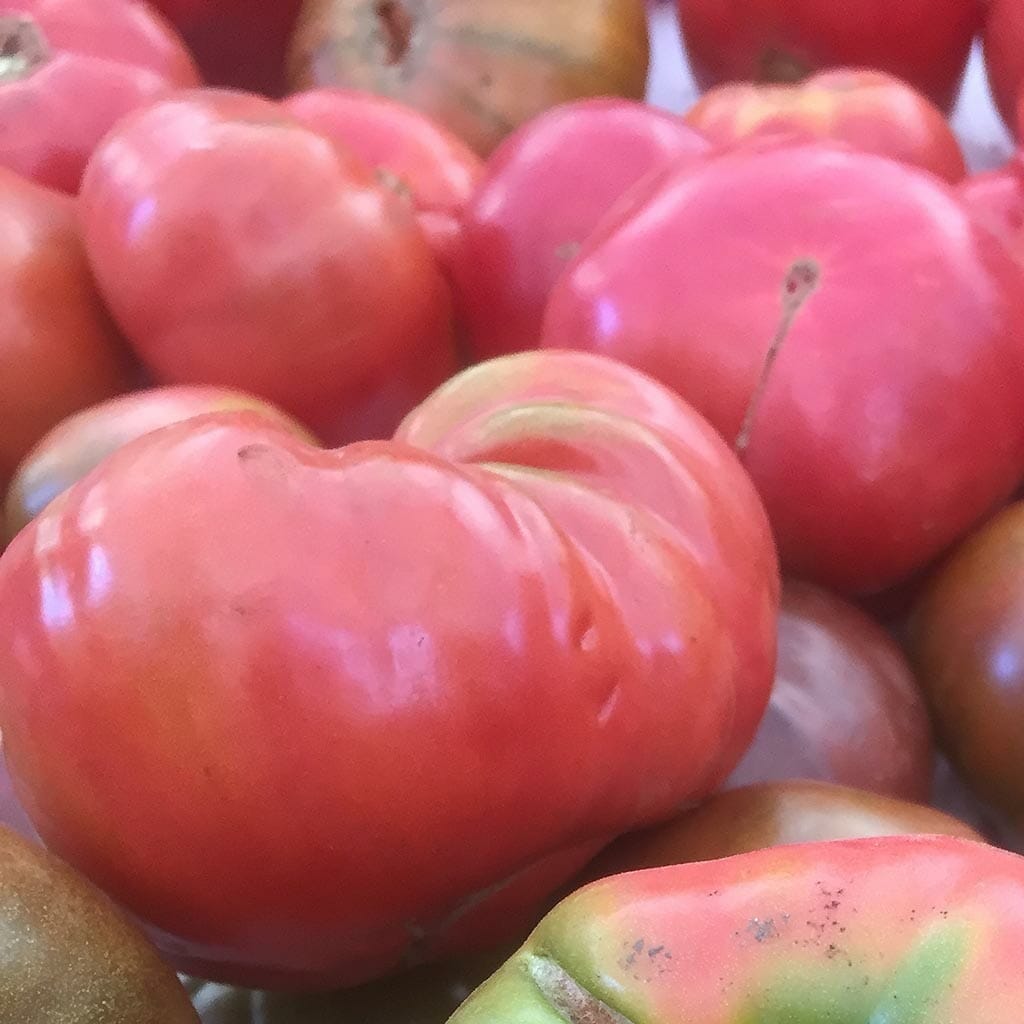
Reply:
x=923, y=42
x=80, y=443
x=546, y=189
x=69, y=69
x=868, y=110
x=845, y=324
x=434, y=169
x=1004, y=57
x=58, y=351
x=238, y=248
x=845, y=707
x=69, y=955
x=773, y=814
x=966, y=637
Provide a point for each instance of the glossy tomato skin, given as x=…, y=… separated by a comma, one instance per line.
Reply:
x=869, y=110
x=845, y=707
x=997, y=200
x=238, y=44
x=84, y=65
x=432, y=168
x=70, y=955
x=546, y=189
x=773, y=814
x=59, y=351
x=579, y=647
x=967, y=642
x=883, y=382
x=78, y=444
x=237, y=248
x=857, y=930
x=1004, y=59
x=924, y=43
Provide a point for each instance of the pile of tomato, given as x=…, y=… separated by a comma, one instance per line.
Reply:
x=477, y=545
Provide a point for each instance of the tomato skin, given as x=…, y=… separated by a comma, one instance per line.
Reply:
x=786, y=40
x=546, y=189
x=481, y=69
x=845, y=706
x=435, y=168
x=58, y=350
x=299, y=602
x=966, y=641
x=996, y=199
x=869, y=110
x=909, y=928
x=237, y=248
x=1004, y=64
x=103, y=59
x=877, y=373
x=237, y=44
x=773, y=814
x=70, y=955
x=78, y=444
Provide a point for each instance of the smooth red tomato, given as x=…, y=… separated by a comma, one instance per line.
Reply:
x=547, y=188
x=69, y=69
x=238, y=248
x=868, y=110
x=77, y=445
x=997, y=200
x=920, y=41
x=240, y=44
x=845, y=324
x=1004, y=57
x=400, y=697
x=845, y=707
x=434, y=169
x=967, y=641
x=58, y=350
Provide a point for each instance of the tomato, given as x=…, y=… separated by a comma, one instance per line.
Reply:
x=773, y=814
x=547, y=188
x=69, y=69
x=69, y=955
x=237, y=248
x=562, y=636
x=869, y=110
x=481, y=69
x=80, y=443
x=967, y=642
x=237, y=43
x=1004, y=61
x=845, y=706
x=925, y=43
x=906, y=928
x=431, y=167
x=845, y=324
x=996, y=199
x=58, y=351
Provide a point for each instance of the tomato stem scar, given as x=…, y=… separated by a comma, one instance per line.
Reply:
x=23, y=47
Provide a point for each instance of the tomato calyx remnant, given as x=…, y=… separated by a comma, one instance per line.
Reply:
x=568, y=996
x=23, y=47
x=396, y=28
x=800, y=283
